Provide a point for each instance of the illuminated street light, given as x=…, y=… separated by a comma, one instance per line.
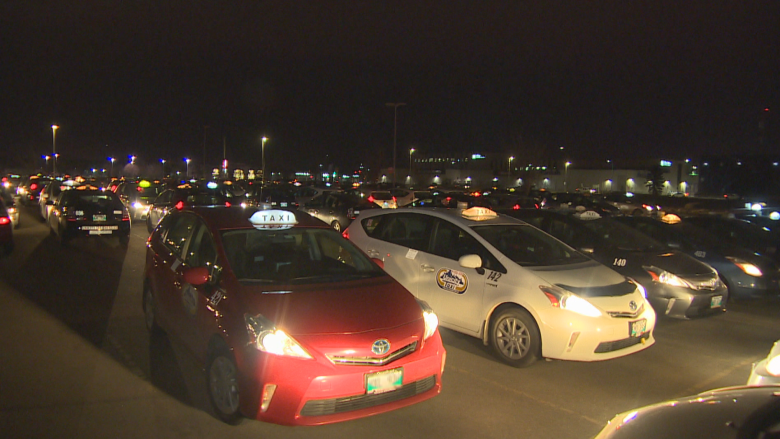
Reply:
x=54, y=147
x=188, y=166
x=411, y=151
x=566, y=177
x=163, y=166
x=510, y=168
x=262, y=148
x=112, y=160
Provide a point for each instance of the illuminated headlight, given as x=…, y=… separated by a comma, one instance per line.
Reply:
x=430, y=318
x=745, y=266
x=667, y=278
x=267, y=338
x=560, y=298
x=773, y=366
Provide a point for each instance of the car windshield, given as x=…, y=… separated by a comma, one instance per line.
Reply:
x=621, y=236
x=528, y=246
x=295, y=256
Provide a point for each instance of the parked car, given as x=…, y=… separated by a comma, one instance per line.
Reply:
x=677, y=285
x=291, y=322
x=6, y=229
x=138, y=196
x=29, y=190
x=185, y=195
x=275, y=196
x=337, y=208
x=87, y=211
x=573, y=200
x=751, y=412
x=630, y=204
x=745, y=273
x=740, y=232
x=523, y=292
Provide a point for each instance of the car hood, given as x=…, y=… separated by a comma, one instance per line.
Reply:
x=583, y=275
x=334, y=308
x=721, y=413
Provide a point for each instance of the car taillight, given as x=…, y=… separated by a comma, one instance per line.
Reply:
x=33, y=187
x=371, y=198
x=345, y=233
x=4, y=220
x=516, y=207
x=180, y=205
x=227, y=203
x=125, y=215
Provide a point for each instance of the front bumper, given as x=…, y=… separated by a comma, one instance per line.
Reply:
x=314, y=392
x=685, y=303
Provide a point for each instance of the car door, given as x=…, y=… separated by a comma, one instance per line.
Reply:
x=168, y=284
x=456, y=293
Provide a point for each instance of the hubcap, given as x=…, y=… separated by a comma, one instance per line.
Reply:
x=223, y=385
x=512, y=338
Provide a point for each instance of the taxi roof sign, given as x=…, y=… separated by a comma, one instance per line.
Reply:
x=478, y=214
x=588, y=215
x=273, y=219
x=671, y=218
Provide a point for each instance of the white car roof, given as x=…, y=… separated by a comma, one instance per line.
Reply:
x=453, y=215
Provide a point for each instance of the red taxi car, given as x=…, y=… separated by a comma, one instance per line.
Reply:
x=293, y=323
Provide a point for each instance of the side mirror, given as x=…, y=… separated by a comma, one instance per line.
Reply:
x=470, y=261
x=196, y=275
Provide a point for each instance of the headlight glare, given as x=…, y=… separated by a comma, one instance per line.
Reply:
x=563, y=299
x=773, y=366
x=430, y=318
x=267, y=338
x=745, y=266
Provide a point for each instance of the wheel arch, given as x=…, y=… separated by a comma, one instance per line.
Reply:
x=497, y=310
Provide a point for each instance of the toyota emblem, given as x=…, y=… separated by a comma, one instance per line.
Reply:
x=632, y=305
x=380, y=347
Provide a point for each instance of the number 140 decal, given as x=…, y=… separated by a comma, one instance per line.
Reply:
x=619, y=262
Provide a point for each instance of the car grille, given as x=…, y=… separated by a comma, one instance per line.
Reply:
x=322, y=407
x=372, y=361
x=611, y=346
x=627, y=314
x=708, y=283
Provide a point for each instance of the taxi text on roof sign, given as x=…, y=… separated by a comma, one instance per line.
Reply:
x=478, y=214
x=273, y=219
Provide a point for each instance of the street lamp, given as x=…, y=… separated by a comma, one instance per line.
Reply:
x=188, y=166
x=411, y=151
x=54, y=147
x=395, y=106
x=163, y=167
x=509, y=174
x=262, y=150
x=46, y=164
x=566, y=177
x=112, y=160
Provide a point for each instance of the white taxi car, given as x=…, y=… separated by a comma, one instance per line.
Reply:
x=517, y=288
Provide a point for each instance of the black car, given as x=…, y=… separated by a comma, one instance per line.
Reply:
x=30, y=190
x=745, y=273
x=740, y=233
x=88, y=211
x=677, y=285
x=276, y=196
x=337, y=208
x=138, y=196
x=185, y=195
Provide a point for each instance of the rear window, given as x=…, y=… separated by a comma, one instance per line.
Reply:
x=78, y=199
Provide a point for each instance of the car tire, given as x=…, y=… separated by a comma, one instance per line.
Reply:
x=336, y=225
x=222, y=385
x=150, y=312
x=515, y=337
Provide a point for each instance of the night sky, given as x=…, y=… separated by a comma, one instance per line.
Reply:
x=612, y=79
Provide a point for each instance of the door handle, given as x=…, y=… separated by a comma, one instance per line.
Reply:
x=426, y=268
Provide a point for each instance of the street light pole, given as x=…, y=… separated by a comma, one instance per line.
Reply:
x=509, y=174
x=112, y=165
x=54, y=147
x=566, y=177
x=395, y=106
x=411, y=151
x=188, y=166
x=264, y=139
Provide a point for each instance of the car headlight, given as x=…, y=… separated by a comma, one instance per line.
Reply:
x=745, y=266
x=667, y=278
x=430, y=318
x=267, y=338
x=773, y=360
x=563, y=299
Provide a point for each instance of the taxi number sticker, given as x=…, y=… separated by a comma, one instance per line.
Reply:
x=452, y=280
x=637, y=328
x=384, y=381
x=716, y=301
x=411, y=254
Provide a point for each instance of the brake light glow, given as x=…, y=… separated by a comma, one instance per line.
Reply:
x=4, y=220
x=227, y=203
x=33, y=186
x=180, y=205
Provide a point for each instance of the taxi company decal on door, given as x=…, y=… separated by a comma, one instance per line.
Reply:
x=452, y=280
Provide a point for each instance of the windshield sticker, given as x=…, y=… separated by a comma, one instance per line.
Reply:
x=411, y=254
x=452, y=280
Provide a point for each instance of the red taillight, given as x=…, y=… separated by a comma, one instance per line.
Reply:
x=395, y=200
x=125, y=215
x=371, y=198
x=33, y=186
x=180, y=205
x=345, y=233
x=516, y=207
x=4, y=220
x=227, y=203
x=139, y=189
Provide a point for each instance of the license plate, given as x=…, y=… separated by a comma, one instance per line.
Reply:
x=99, y=217
x=100, y=232
x=283, y=204
x=385, y=381
x=637, y=328
x=716, y=301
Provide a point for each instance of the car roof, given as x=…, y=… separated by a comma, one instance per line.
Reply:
x=453, y=215
x=237, y=217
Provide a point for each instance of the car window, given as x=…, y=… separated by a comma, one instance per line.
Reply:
x=179, y=231
x=528, y=246
x=451, y=242
x=202, y=252
x=296, y=255
x=405, y=229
